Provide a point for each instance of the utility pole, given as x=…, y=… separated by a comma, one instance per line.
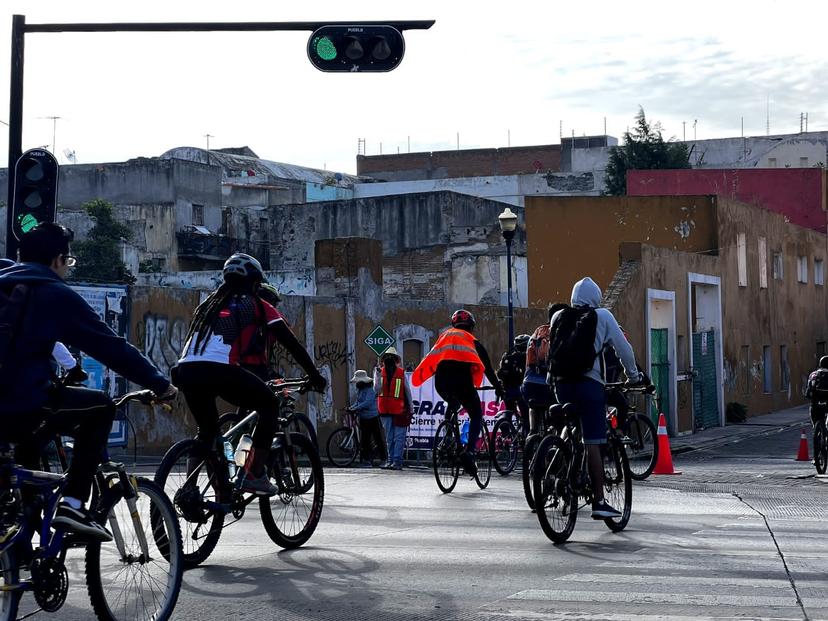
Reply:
x=208, y=136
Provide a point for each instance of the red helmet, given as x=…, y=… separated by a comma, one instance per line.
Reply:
x=462, y=319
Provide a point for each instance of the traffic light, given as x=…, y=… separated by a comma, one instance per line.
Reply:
x=356, y=48
x=35, y=191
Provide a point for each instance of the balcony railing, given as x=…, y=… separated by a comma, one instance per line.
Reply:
x=213, y=247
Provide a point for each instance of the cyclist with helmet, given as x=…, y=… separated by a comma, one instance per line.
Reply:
x=817, y=391
x=511, y=371
x=228, y=335
x=458, y=362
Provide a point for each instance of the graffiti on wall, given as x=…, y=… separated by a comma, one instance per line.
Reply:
x=162, y=339
x=334, y=353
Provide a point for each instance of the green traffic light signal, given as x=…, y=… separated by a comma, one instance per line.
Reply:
x=35, y=191
x=325, y=48
x=355, y=48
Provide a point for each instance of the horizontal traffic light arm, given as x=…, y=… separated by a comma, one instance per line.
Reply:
x=423, y=24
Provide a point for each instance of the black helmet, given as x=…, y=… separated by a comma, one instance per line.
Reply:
x=462, y=319
x=522, y=342
x=243, y=266
x=823, y=362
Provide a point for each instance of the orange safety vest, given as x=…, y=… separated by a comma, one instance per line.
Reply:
x=391, y=399
x=453, y=344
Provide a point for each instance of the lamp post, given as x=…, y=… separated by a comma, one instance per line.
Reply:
x=508, y=223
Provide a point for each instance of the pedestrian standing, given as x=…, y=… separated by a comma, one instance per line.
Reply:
x=394, y=405
x=365, y=406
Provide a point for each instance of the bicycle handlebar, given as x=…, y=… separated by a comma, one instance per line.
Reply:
x=297, y=384
x=147, y=397
x=624, y=387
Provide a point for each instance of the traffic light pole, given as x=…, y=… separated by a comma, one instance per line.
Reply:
x=20, y=28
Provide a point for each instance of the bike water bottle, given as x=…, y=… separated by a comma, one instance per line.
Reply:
x=464, y=433
x=231, y=459
x=243, y=448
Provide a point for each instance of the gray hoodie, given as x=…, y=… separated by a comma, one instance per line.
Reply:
x=607, y=332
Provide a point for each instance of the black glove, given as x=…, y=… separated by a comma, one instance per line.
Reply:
x=317, y=382
x=499, y=392
x=75, y=375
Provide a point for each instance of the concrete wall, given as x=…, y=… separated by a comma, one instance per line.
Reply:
x=790, y=154
x=800, y=194
x=288, y=283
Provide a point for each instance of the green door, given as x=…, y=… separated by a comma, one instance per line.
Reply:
x=705, y=398
x=660, y=369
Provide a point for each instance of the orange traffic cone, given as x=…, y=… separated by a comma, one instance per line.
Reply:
x=803, y=448
x=664, y=465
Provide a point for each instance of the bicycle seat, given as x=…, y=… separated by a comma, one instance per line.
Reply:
x=570, y=410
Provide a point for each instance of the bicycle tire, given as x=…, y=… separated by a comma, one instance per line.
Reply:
x=556, y=503
x=483, y=457
x=171, y=476
x=9, y=573
x=642, y=451
x=529, y=450
x=300, y=423
x=617, y=484
x=444, y=457
x=342, y=447
x=504, y=446
x=106, y=600
x=820, y=447
x=302, y=453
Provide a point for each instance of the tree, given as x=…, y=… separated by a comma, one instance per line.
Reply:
x=99, y=257
x=643, y=149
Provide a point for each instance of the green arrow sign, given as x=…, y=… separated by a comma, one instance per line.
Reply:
x=379, y=340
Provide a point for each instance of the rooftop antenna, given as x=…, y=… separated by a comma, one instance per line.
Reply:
x=361, y=146
x=208, y=136
x=767, y=117
x=409, y=144
x=508, y=137
x=54, y=129
x=70, y=156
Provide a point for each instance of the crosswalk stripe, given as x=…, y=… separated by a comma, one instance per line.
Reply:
x=694, y=599
x=724, y=581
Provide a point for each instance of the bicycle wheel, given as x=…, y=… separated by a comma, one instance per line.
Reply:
x=555, y=500
x=123, y=581
x=617, y=484
x=483, y=457
x=505, y=446
x=529, y=451
x=9, y=600
x=444, y=457
x=291, y=516
x=300, y=423
x=190, y=480
x=642, y=449
x=820, y=447
x=342, y=447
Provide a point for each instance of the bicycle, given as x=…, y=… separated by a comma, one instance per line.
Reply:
x=508, y=436
x=560, y=477
x=821, y=442
x=530, y=447
x=344, y=443
x=638, y=431
x=204, y=486
x=445, y=453
x=137, y=575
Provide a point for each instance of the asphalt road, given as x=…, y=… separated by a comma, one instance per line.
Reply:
x=738, y=535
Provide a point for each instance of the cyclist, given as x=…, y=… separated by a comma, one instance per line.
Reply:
x=458, y=362
x=32, y=402
x=586, y=390
x=535, y=387
x=817, y=391
x=510, y=372
x=229, y=334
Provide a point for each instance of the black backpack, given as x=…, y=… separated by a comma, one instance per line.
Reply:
x=12, y=313
x=572, y=343
x=819, y=382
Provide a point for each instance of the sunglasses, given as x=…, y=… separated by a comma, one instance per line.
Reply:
x=70, y=260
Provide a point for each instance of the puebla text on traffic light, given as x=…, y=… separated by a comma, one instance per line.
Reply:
x=35, y=191
x=356, y=48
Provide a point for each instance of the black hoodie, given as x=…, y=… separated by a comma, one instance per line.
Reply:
x=55, y=312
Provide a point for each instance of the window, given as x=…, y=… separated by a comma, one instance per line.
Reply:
x=803, y=162
x=412, y=353
x=802, y=269
x=777, y=266
x=745, y=374
x=198, y=215
x=264, y=229
x=771, y=162
x=767, y=379
x=784, y=372
x=763, y=263
x=741, y=242
x=819, y=272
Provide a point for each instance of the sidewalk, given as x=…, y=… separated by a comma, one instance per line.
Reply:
x=754, y=426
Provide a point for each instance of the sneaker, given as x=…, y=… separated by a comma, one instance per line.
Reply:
x=469, y=465
x=396, y=467
x=261, y=485
x=387, y=466
x=81, y=522
x=602, y=510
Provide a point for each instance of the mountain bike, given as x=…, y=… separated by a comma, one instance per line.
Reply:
x=445, y=453
x=344, y=443
x=637, y=430
x=560, y=478
x=137, y=575
x=508, y=436
x=533, y=440
x=204, y=483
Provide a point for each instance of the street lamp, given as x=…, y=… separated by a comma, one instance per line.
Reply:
x=508, y=223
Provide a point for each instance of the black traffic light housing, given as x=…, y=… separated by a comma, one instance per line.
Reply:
x=355, y=48
x=35, y=191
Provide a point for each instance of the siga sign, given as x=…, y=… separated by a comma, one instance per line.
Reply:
x=379, y=340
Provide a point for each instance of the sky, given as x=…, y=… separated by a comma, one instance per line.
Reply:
x=493, y=74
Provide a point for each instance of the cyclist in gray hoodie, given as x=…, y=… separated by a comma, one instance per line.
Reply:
x=587, y=390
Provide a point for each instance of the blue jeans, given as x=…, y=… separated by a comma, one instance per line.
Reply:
x=396, y=444
x=387, y=425
x=591, y=401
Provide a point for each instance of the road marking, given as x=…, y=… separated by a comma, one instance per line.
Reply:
x=624, y=579
x=685, y=599
x=561, y=615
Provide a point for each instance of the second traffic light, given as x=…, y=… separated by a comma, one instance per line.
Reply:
x=355, y=48
x=35, y=191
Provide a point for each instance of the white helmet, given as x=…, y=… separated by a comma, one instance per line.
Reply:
x=243, y=266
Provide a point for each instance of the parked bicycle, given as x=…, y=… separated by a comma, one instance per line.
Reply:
x=137, y=575
x=205, y=488
x=448, y=446
x=344, y=444
x=560, y=477
x=637, y=430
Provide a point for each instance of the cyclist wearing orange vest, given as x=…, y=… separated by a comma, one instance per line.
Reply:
x=394, y=405
x=458, y=362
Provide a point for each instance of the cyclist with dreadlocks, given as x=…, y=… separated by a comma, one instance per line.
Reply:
x=228, y=335
x=458, y=362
